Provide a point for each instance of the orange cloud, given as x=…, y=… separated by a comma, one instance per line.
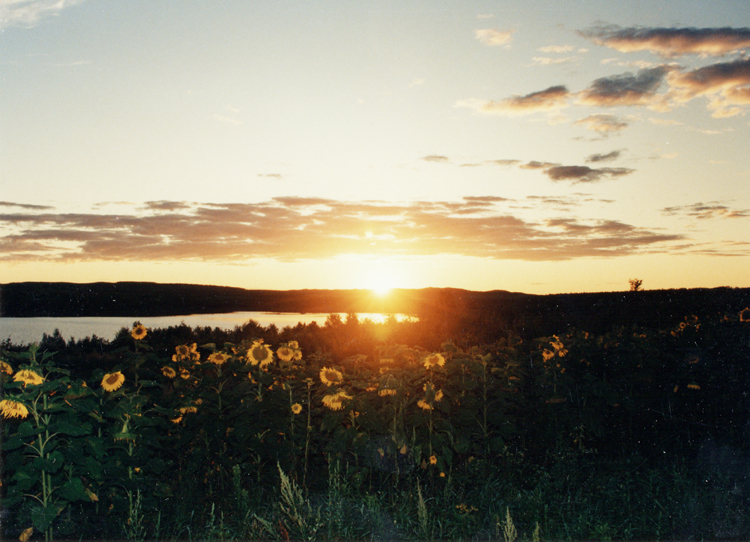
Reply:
x=554, y=97
x=706, y=210
x=288, y=229
x=725, y=84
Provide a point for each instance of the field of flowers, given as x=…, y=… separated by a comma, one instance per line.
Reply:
x=633, y=434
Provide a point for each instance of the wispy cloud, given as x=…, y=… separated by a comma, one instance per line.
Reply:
x=583, y=174
x=546, y=61
x=296, y=228
x=557, y=172
x=556, y=49
x=544, y=100
x=706, y=210
x=28, y=13
x=604, y=124
x=435, y=158
x=28, y=206
x=494, y=37
x=610, y=156
x=227, y=120
x=671, y=42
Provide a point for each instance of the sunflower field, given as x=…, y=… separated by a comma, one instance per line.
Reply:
x=182, y=434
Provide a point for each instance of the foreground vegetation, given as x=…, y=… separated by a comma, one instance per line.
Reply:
x=352, y=431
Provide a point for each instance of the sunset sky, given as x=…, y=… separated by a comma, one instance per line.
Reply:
x=531, y=146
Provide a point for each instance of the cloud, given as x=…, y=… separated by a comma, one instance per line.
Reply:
x=556, y=49
x=546, y=61
x=708, y=210
x=295, y=228
x=435, y=158
x=227, y=120
x=503, y=162
x=664, y=122
x=548, y=99
x=28, y=13
x=494, y=37
x=578, y=174
x=726, y=85
x=671, y=42
x=25, y=206
x=604, y=124
x=625, y=89
x=584, y=174
x=614, y=155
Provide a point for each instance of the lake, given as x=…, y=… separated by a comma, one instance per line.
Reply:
x=29, y=330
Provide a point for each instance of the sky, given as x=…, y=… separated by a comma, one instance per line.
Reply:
x=531, y=146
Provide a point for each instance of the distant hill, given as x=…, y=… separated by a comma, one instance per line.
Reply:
x=485, y=314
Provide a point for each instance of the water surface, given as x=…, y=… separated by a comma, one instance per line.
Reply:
x=29, y=330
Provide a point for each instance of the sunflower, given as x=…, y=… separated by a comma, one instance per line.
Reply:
x=13, y=409
x=329, y=377
x=335, y=401
x=548, y=355
x=113, y=381
x=26, y=534
x=168, y=372
x=296, y=408
x=186, y=352
x=218, y=358
x=28, y=377
x=138, y=332
x=184, y=373
x=294, y=345
x=387, y=391
x=434, y=360
x=260, y=353
x=424, y=405
x=433, y=460
x=285, y=353
x=5, y=368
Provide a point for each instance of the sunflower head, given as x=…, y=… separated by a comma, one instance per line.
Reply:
x=335, y=401
x=168, y=372
x=218, y=358
x=139, y=332
x=113, y=381
x=285, y=353
x=330, y=377
x=259, y=353
x=5, y=368
x=434, y=360
x=296, y=408
x=13, y=409
x=28, y=377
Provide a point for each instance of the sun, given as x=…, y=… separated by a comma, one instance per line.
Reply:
x=380, y=279
x=380, y=284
